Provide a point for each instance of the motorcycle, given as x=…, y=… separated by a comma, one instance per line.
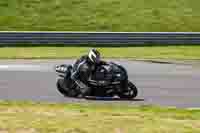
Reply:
x=107, y=81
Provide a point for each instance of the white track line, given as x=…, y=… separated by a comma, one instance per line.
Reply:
x=20, y=67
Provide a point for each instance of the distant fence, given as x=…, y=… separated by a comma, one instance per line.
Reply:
x=98, y=38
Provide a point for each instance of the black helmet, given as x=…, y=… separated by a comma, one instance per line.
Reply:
x=94, y=56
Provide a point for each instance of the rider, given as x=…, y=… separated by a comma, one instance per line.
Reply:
x=84, y=67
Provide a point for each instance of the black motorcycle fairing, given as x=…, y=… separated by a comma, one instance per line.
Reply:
x=107, y=80
x=63, y=68
x=101, y=73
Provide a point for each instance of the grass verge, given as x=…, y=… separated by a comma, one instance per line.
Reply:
x=101, y=15
x=29, y=117
x=146, y=52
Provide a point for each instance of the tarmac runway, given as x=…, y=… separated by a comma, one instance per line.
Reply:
x=164, y=84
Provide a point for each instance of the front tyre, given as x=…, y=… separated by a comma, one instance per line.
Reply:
x=66, y=91
x=59, y=85
x=131, y=93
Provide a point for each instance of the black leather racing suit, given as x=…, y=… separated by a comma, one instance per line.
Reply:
x=83, y=68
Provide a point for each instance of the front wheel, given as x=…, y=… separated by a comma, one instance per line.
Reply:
x=60, y=88
x=131, y=93
x=66, y=91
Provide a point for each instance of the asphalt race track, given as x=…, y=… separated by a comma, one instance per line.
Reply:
x=163, y=84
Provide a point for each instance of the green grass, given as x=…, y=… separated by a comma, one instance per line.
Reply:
x=21, y=117
x=156, y=52
x=100, y=15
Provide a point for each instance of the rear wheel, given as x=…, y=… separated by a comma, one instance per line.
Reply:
x=132, y=91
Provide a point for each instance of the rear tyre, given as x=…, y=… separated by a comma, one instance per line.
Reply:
x=131, y=93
